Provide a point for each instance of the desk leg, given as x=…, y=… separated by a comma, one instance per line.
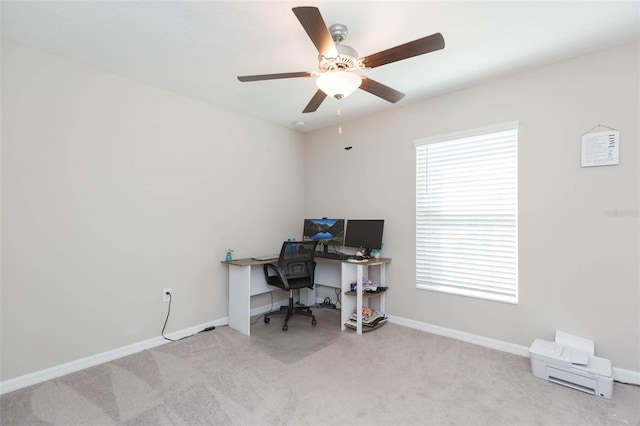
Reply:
x=347, y=304
x=383, y=296
x=359, y=299
x=240, y=298
x=308, y=296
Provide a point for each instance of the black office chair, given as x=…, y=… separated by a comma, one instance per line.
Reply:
x=295, y=270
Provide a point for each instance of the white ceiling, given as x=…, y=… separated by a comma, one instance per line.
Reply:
x=197, y=48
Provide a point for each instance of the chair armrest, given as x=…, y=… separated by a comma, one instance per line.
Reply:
x=269, y=266
x=271, y=270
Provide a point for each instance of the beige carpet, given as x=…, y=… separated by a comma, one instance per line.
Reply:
x=315, y=376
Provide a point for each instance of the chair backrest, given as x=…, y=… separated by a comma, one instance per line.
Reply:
x=296, y=259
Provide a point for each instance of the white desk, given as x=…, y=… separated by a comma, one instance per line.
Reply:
x=246, y=279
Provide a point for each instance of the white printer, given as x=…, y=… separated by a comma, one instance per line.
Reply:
x=569, y=361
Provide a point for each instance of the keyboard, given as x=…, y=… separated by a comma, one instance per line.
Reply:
x=271, y=256
x=338, y=256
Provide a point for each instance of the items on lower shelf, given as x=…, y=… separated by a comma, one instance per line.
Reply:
x=371, y=319
x=367, y=285
x=368, y=292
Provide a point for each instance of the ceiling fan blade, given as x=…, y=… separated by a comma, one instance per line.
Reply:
x=316, y=29
x=404, y=51
x=245, y=78
x=315, y=102
x=380, y=90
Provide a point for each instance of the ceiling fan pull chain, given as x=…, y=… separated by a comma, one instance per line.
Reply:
x=339, y=122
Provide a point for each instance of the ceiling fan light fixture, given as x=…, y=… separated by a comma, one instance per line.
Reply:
x=339, y=84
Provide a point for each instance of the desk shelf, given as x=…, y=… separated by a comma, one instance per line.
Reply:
x=353, y=300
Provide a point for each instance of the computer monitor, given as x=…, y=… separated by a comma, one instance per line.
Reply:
x=365, y=234
x=326, y=231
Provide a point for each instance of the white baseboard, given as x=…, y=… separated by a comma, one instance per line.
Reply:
x=619, y=374
x=461, y=335
x=93, y=360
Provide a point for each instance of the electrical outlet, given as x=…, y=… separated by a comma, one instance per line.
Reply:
x=165, y=296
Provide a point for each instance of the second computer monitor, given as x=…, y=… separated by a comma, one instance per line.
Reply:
x=366, y=234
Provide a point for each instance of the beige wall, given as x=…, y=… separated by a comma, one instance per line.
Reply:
x=113, y=190
x=578, y=265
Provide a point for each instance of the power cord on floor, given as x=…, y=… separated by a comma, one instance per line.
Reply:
x=328, y=303
x=627, y=383
x=167, y=320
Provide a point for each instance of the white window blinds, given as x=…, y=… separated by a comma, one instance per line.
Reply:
x=466, y=213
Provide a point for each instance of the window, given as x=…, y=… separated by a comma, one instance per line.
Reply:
x=466, y=213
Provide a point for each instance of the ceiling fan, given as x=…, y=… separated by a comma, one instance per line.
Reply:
x=337, y=62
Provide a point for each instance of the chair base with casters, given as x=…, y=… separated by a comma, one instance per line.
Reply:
x=295, y=270
x=290, y=311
